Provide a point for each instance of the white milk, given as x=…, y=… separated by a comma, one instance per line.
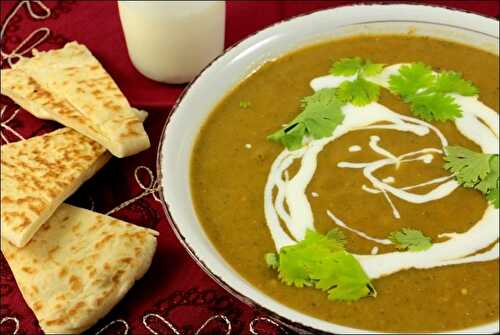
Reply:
x=172, y=41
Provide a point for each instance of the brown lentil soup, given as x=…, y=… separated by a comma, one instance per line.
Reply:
x=228, y=181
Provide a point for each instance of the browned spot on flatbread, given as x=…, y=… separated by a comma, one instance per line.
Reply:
x=92, y=272
x=10, y=255
x=7, y=200
x=36, y=208
x=97, y=93
x=103, y=241
x=137, y=251
x=96, y=282
x=128, y=134
x=63, y=272
x=37, y=306
x=103, y=297
x=53, y=249
x=111, y=105
x=126, y=260
x=28, y=269
x=34, y=288
x=74, y=310
x=7, y=164
x=25, y=221
x=56, y=322
x=53, y=193
x=99, y=301
x=117, y=276
x=74, y=283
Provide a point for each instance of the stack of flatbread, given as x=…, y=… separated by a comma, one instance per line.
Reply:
x=70, y=86
x=39, y=174
x=72, y=265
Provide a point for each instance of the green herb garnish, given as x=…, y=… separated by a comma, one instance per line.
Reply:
x=474, y=170
x=320, y=116
x=320, y=261
x=452, y=82
x=411, y=79
x=359, y=92
x=427, y=92
x=272, y=260
x=245, y=104
x=410, y=239
x=355, y=65
x=493, y=197
x=435, y=106
x=337, y=235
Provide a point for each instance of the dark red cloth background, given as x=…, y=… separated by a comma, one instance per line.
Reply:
x=175, y=287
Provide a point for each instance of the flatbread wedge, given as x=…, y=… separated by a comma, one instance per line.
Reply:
x=78, y=266
x=69, y=85
x=28, y=94
x=38, y=174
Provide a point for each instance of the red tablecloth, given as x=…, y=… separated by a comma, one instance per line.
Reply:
x=180, y=296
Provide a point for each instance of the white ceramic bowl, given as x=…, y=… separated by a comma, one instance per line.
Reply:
x=238, y=62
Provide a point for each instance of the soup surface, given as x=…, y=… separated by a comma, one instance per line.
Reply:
x=232, y=159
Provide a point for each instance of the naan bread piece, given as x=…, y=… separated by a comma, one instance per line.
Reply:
x=28, y=94
x=78, y=266
x=38, y=174
x=73, y=75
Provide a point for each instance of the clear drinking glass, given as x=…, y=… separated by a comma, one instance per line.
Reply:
x=172, y=41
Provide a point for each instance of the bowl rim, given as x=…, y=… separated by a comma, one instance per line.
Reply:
x=274, y=316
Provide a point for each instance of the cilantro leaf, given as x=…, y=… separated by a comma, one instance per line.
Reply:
x=469, y=167
x=410, y=239
x=272, y=260
x=452, y=82
x=343, y=277
x=435, y=106
x=475, y=170
x=490, y=182
x=297, y=261
x=493, y=196
x=355, y=65
x=337, y=235
x=320, y=261
x=324, y=96
x=371, y=69
x=411, y=79
x=347, y=66
x=321, y=115
x=359, y=92
x=427, y=92
x=291, y=137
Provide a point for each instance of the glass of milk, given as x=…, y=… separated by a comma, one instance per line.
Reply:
x=172, y=41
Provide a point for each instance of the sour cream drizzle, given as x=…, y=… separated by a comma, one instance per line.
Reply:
x=479, y=123
x=340, y=223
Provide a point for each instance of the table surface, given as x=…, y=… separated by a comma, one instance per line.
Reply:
x=175, y=296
